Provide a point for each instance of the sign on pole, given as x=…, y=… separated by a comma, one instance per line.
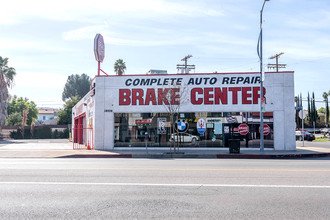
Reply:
x=243, y=129
x=302, y=114
x=99, y=48
x=266, y=129
x=201, y=126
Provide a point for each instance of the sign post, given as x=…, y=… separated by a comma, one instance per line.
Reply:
x=99, y=51
x=302, y=115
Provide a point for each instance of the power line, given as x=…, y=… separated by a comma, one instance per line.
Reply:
x=185, y=68
x=276, y=65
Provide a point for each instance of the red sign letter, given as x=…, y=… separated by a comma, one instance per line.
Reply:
x=175, y=97
x=234, y=91
x=137, y=94
x=220, y=95
x=162, y=96
x=124, y=97
x=208, y=96
x=150, y=96
x=195, y=101
x=246, y=95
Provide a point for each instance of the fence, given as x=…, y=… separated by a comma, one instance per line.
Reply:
x=54, y=131
x=82, y=138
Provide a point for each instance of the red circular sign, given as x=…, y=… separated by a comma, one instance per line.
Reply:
x=266, y=129
x=243, y=129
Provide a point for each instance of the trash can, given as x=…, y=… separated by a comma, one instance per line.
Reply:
x=234, y=146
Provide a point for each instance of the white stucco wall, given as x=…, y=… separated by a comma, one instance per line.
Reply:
x=86, y=106
x=279, y=95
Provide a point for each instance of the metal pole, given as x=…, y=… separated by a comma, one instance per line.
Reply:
x=146, y=139
x=261, y=87
x=302, y=126
x=98, y=69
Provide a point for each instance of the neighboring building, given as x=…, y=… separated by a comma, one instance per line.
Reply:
x=120, y=110
x=156, y=72
x=47, y=116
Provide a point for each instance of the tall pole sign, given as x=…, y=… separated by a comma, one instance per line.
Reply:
x=99, y=50
x=259, y=49
x=302, y=115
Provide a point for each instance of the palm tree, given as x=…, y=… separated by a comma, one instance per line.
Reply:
x=7, y=75
x=120, y=67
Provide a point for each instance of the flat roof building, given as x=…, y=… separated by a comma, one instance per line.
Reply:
x=125, y=111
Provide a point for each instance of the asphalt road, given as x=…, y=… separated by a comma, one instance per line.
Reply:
x=164, y=189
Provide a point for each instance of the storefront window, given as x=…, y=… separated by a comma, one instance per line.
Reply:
x=135, y=129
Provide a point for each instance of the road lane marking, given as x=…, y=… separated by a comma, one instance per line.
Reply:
x=166, y=185
x=166, y=169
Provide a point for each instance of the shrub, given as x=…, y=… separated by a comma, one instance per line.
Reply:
x=40, y=133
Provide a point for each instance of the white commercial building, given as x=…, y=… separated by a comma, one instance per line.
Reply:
x=119, y=111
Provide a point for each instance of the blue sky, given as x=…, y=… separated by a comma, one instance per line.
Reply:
x=46, y=41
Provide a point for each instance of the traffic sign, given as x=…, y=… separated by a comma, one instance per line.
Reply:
x=302, y=114
x=243, y=129
x=201, y=126
x=266, y=129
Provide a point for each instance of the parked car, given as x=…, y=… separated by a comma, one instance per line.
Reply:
x=325, y=131
x=185, y=138
x=307, y=136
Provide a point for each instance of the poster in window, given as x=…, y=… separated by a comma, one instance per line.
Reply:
x=217, y=128
x=161, y=125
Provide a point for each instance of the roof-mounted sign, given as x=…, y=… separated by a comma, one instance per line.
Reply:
x=99, y=48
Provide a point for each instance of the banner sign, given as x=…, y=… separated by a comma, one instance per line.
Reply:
x=201, y=92
x=147, y=91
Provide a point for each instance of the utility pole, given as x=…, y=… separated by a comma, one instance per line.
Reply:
x=185, y=68
x=277, y=65
x=262, y=99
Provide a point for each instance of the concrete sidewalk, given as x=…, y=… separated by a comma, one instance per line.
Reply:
x=63, y=149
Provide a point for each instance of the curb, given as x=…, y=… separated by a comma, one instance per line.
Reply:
x=168, y=156
x=278, y=156
x=196, y=156
x=96, y=156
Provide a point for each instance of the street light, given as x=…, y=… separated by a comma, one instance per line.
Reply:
x=261, y=82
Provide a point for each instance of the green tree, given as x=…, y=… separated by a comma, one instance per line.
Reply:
x=7, y=75
x=314, y=116
x=321, y=110
x=325, y=97
x=309, y=107
x=17, y=105
x=298, y=102
x=120, y=67
x=65, y=114
x=76, y=86
x=14, y=119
